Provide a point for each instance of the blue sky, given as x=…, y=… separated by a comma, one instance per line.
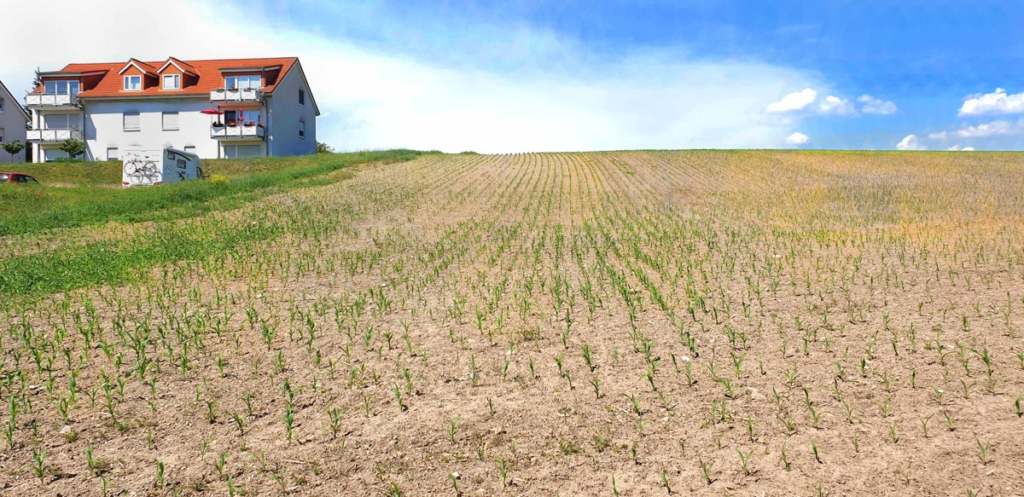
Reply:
x=528, y=75
x=925, y=56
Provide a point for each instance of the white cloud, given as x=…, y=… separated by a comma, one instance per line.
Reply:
x=872, y=105
x=792, y=102
x=376, y=98
x=997, y=102
x=994, y=128
x=797, y=138
x=958, y=148
x=910, y=142
x=835, y=105
x=993, y=134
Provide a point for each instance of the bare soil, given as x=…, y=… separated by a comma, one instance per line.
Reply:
x=629, y=323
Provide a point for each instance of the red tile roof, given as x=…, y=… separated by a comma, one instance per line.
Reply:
x=144, y=67
x=209, y=75
x=185, y=66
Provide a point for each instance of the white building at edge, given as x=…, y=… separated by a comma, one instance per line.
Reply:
x=226, y=108
x=12, y=125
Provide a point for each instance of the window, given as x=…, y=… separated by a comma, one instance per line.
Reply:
x=302, y=129
x=242, y=117
x=2, y=135
x=59, y=121
x=1, y=104
x=233, y=151
x=53, y=154
x=112, y=153
x=170, y=121
x=172, y=81
x=302, y=97
x=132, y=121
x=242, y=82
x=250, y=117
x=133, y=83
x=60, y=87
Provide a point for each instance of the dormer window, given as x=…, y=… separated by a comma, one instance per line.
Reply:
x=61, y=87
x=172, y=81
x=253, y=82
x=133, y=82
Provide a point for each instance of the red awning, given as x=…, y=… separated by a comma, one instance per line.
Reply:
x=240, y=106
x=211, y=111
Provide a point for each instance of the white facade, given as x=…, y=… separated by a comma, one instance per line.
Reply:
x=12, y=125
x=106, y=135
x=273, y=123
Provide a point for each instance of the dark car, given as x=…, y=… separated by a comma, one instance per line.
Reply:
x=16, y=178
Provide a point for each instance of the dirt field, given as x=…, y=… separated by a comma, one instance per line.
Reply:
x=623, y=323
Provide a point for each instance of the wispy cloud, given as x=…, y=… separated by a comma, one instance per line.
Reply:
x=836, y=105
x=793, y=102
x=983, y=130
x=797, y=138
x=910, y=142
x=872, y=105
x=997, y=102
x=802, y=102
x=994, y=128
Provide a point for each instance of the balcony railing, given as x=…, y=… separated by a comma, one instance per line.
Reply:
x=237, y=132
x=236, y=95
x=42, y=100
x=52, y=135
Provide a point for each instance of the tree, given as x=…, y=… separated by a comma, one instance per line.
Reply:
x=72, y=147
x=13, y=148
x=323, y=148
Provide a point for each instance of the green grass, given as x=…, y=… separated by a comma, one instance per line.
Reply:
x=108, y=173
x=126, y=259
x=116, y=261
x=34, y=209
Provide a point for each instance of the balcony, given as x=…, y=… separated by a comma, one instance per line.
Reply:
x=237, y=132
x=236, y=95
x=52, y=135
x=51, y=101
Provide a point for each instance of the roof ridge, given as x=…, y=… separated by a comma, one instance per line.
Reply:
x=209, y=73
x=177, y=58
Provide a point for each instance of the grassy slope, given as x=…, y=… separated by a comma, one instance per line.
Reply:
x=108, y=173
x=34, y=209
x=38, y=208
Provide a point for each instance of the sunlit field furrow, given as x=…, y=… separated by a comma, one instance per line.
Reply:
x=621, y=323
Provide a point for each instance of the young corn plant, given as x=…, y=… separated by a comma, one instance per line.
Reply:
x=159, y=482
x=398, y=399
x=334, y=415
x=503, y=472
x=706, y=469
x=745, y=458
x=784, y=458
x=984, y=451
x=39, y=463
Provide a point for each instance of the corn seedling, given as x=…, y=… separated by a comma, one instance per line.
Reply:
x=705, y=470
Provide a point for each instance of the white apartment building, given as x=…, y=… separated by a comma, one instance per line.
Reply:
x=12, y=124
x=226, y=108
